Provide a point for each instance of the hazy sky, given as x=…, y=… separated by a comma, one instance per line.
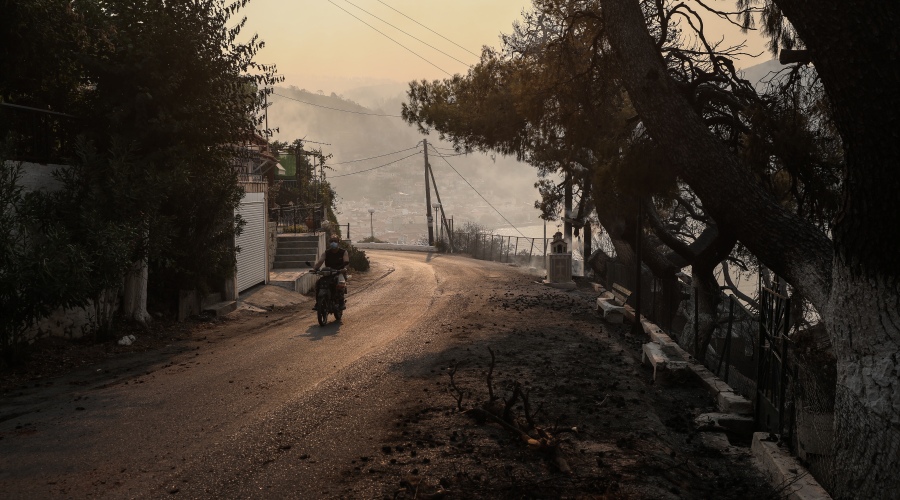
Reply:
x=318, y=46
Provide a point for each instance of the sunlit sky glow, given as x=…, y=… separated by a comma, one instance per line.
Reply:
x=318, y=46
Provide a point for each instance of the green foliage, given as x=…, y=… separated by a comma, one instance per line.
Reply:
x=371, y=239
x=43, y=42
x=175, y=85
x=358, y=260
x=55, y=252
x=166, y=95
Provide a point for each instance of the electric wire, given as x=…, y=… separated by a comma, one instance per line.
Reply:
x=379, y=156
x=429, y=29
x=445, y=155
x=391, y=39
x=335, y=109
x=409, y=35
x=373, y=168
x=482, y=197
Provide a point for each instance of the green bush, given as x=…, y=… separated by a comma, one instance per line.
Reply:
x=358, y=260
x=371, y=239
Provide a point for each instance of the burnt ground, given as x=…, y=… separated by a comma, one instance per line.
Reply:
x=601, y=428
x=612, y=432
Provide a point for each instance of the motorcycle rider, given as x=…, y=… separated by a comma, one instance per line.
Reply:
x=335, y=257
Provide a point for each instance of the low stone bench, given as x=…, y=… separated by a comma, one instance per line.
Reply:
x=664, y=363
x=612, y=306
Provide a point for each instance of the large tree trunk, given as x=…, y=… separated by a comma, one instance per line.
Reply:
x=854, y=284
x=854, y=46
x=864, y=320
x=134, y=303
x=708, y=293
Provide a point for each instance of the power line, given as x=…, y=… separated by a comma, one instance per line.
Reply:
x=407, y=34
x=379, y=156
x=482, y=197
x=373, y=168
x=389, y=38
x=429, y=29
x=445, y=155
x=335, y=109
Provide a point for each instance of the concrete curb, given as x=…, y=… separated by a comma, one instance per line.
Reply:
x=727, y=400
x=785, y=472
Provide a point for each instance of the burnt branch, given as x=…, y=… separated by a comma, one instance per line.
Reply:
x=490, y=376
x=459, y=394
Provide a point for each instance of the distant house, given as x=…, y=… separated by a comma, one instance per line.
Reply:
x=257, y=167
x=255, y=162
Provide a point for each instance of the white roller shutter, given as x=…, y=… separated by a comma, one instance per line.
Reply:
x=251, y=259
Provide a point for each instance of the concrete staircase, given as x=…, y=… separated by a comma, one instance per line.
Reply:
x=293, y=251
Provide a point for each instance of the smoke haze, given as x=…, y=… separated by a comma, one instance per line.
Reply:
x=397, y=191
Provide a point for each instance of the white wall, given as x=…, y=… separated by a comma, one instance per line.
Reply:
x=38, y=177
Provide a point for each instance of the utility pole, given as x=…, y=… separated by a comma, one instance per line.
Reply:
x=318, y=183
x=428, y=194
x=441, y=206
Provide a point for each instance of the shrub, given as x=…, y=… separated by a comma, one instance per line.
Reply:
x=358, y=260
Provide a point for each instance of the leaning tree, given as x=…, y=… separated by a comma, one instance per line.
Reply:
x=852, y=277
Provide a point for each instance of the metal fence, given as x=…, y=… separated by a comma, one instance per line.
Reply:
x=660, y=298
x=732, y=348
x=296, y=219
x=773, y=412
x=37, y=135
x=519, y=250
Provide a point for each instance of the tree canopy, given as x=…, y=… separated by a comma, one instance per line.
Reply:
x=166, y=95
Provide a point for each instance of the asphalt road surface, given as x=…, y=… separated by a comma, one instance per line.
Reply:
x=264, y=406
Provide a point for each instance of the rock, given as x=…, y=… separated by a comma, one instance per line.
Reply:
x=127, y=340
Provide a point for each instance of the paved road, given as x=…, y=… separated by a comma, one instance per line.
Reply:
x=261, y=407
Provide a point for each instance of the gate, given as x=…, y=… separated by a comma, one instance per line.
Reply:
x=772, y=411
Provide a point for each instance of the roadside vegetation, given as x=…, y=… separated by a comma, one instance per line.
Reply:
x=156, y=97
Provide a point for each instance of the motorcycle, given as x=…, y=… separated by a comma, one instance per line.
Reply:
x=329, y=295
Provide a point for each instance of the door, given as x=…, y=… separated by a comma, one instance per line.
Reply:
x=251, y=257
